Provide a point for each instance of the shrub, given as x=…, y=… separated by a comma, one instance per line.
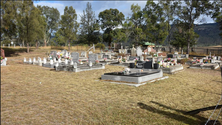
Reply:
x=100, y=46
x=182, y=61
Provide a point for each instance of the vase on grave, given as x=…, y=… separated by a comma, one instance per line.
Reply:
x=24, y=60
x=156, y=66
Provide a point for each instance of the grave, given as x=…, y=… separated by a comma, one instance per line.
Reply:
x=172, y=69
x=169, y=55
x=205, y=66
x=3, y=58
x=83, y=54
x=93, y=57
x=139, y=51
x=136, y=76
x=75, y=57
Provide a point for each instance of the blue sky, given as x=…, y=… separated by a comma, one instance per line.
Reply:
x=98, y=6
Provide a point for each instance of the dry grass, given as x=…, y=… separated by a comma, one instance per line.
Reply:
x=77, y=98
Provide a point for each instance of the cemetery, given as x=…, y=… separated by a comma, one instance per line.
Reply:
x=116, y=63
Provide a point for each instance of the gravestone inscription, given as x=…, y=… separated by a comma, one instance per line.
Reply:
x=75, y=57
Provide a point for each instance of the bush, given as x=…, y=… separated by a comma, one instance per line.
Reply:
x=100, y=45
x=182, y=61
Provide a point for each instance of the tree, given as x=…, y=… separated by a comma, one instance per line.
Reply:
x=217, y=13
x=89, y=26
x=137, y=19
x=182, y=34
x=110, y=19
x=156, y=25
x=52, y=19
x=119, y=35
x=69, y=24
x=190, y=12
x=169, y=11
x=30, y=22
x=8, y=20
x=127, y=28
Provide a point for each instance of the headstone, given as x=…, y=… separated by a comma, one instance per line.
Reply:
x=66, y=61
x=141, y=58
x=128, y=51
x=14, y=45
x=201, y=60
x=90, y=63
x=131, y=58
x=139, y=51
x=40, y=62
x=90, y=52
x=210, y=54
x=109, y=56
x=215, y=57
x=187, y=55
x=44, y=60
x=105, y=56
x=30, y=60
x=219, y=58
x=175, y=52
x=93, y=58
x=20, y=45
x=57, y=64
x=169, y=55
x=71, y=62
x=75, y=56
x=8, y=45
x=51, y=62
x=212, y=61
x=133, y=51
x=183, y=56
x=194, y=58
x=181, y=51
x=120, y=51
x=3, y=45
x=24, y=59
x=34, y=60
x=83, y=54
x=54, y=59
x=53, y=54
x=75, y=65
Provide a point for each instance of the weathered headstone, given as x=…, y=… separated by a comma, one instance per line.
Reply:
x=34, y=60
x=30, y=60
x=219, y=58
x=8, y=45
x=105, y=56
x=75, y=56
x=44, y=60
x=93, y=58
x=139, y=51
x=24, y=59
x=3, y=45
x=133, y=51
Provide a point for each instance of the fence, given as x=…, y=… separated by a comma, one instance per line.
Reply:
x=216, y=51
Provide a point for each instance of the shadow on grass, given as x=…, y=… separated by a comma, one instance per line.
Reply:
x=12, y=52
x=178, y=117
x=207, y=91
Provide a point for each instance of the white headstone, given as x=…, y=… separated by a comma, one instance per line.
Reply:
x=66, y=61
x=44, y=60
x=71, y=63
x=75, y=65
x=20, y=45
x=133, y=51
x=175, y=52
x=51, y=62
x=8, y=45
x=3, y=62
x=24, y=59
x=57, y=64
x=54, y=59
x=40, y=62
x=141, y=58
x=30, y=60
x=139, y=51
x=90, y=52
x=34, y=60
x=90, y=63
x=120, y=51
x=3, y=45
x=59, y=60
x=14, y=45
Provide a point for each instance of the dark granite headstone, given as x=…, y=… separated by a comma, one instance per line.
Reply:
x=75, y=57
x=128, y=51
x=150, y=59
x=139, y=64
x=169, y=55
x=148, y=65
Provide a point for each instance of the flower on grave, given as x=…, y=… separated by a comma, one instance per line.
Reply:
x=105, y=59
x=124, y=60
x=172, y=60
x=198, y=61
x=81, y=60
x=168, y=59
x=194, y=62
x=87, y=61
x=97, y=61
x=158, y=62
x=1, y=58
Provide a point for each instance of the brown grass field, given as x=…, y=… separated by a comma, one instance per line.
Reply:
x=78, y=98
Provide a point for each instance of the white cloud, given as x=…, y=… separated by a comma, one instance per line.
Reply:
x=57, y=5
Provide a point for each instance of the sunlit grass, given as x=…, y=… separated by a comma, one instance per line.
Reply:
x=78, y=98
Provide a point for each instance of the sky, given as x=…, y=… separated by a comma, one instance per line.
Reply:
x=99, y=6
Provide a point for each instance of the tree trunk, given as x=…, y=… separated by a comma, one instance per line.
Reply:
x=23, y=43
x=36, y=45
x=45, y=42
x=27, y=47
x=69, y=45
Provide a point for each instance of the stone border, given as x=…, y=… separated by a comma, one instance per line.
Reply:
x=137, y=85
